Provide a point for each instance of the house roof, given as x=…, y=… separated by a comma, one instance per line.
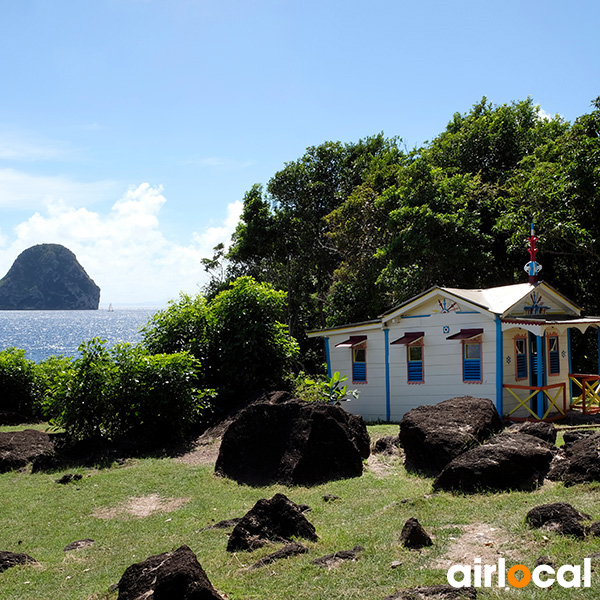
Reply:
x=497, y=300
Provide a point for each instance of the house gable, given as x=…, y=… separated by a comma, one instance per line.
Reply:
x=435, y=302
x=542, y=300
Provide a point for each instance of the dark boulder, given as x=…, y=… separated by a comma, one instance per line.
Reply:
x=432, y=436
x=289, y=550
x=539, y=429
x=12, y=559
x=48, y=277
x=560, y=517
x=270, y=520
x=333, y=560
x=387, y=445
x=506, y=462
x=413, y=535
x=435, y=592
x=572, y=436
x=167, y=576
x=294, y=443
x=79, y=544
x=583, y=461
x=19, y=448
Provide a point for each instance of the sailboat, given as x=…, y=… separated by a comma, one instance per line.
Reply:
x=110, y=307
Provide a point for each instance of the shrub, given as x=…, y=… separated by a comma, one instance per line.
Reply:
x=246, y=332
x=238, y=336
x=127, y=392
x=19, y=384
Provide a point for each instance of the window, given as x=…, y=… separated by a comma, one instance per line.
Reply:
x=414, y=354
x=471, y=361
x=359, y=365
x=521, y=358
x=553, y=355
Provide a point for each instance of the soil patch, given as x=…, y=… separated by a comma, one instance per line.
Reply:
x=478, y=540
x=141, y=506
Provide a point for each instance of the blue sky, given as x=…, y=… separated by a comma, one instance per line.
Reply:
x=131, y=129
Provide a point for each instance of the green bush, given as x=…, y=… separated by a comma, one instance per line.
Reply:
x=238, y=336
x=253, y=346
x=126, y=392
x=19, y=389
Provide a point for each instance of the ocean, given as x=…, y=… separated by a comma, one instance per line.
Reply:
x=43, y=333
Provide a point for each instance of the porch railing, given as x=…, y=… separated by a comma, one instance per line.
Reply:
x=555, y=395
x=588, y=401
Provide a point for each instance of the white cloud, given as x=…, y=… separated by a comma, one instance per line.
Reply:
x=125, y=251
x=24, y=191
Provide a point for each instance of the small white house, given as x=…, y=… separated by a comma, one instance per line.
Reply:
x=510, y=344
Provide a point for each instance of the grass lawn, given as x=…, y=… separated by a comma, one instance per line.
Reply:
x=145, y=507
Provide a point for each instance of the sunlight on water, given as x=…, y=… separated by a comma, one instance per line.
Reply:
x=44, y=333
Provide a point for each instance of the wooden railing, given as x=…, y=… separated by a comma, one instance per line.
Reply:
x=588, y=400
x=552, y=394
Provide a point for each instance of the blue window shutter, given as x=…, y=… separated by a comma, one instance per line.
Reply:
x=359, y=371
x=553, y=356
x=415, y=370
x=521, y=366
x=472, y=369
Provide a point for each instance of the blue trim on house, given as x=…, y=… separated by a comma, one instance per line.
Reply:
x=414, y=316
x=539, y=340
x=499, y=367
x=571, y=364
x=328, y=357
x=467, y=312
x=386, y=338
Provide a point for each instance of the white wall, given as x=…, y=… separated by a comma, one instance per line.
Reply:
x=442, y=361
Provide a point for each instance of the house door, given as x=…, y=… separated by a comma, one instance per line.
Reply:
x=534, y=380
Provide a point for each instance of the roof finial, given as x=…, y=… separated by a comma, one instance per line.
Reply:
x=532, y=268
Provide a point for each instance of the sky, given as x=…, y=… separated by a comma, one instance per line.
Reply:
x=130, y=130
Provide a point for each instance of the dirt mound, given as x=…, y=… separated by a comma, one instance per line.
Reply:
x=20, y=448
x=507, y=462
x=434, y=435
x=294, y=443
x=166, y=576
x=275, y=520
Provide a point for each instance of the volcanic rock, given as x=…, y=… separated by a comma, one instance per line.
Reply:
x=275, y=520
x=294, y=443
x=560, y=517
x=19, y=448
x=166, y=576
x=12, y=559
x=77, y=545
x=583, y=461
x=413, y=535
x=506, y=462
x=333, y=560
x=539, y=429
x=434, y=435
x=387, y=444
x=48, y=277
x=289, y=550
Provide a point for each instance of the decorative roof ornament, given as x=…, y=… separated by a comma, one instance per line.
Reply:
x=532, y=268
